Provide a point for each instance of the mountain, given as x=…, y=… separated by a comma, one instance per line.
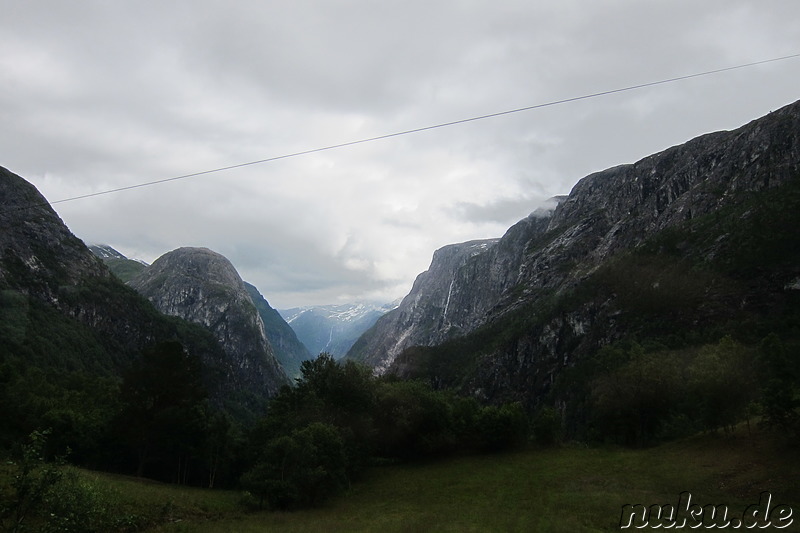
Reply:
x=203, y=287
x=333, y=328
x=61, y=307
x=453, y=297
x=679, y=249
x=69, y=329
x=122, y=267
x=289, y=351
x=104, y=251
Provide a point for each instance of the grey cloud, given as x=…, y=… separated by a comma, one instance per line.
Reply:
x=112, y=94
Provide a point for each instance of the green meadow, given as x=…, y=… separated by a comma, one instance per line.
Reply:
x=567, y=488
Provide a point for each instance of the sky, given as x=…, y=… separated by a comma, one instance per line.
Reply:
x=98, y=95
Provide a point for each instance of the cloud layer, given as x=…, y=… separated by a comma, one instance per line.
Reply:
x=108, y=95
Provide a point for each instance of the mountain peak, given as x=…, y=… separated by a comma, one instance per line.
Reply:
x=104, y=251
x=202, y=286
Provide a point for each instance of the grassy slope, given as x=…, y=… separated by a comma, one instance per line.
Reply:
x=563, y=489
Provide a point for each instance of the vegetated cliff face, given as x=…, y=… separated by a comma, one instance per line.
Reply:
x=60, y=306
x=204, y=288
x=289, y=351
x=606, y=214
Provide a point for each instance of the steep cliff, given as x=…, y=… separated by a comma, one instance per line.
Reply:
x=289, y=351
x=37, y=251
x=203, y=287
x=640, y=249
x=454, y=296
x=60, y=307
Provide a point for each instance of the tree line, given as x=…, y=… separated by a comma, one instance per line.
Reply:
x=315, y=439
x=310, y=441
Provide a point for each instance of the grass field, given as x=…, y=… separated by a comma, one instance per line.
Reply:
x=564, y=489
x=560, y=489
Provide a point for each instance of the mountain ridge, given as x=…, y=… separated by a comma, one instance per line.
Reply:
x=540, y=261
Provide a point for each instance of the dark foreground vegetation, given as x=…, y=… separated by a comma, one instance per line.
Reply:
x=340, y=427
x=566, y=488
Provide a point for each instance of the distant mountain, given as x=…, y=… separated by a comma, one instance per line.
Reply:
x=433, y=311
x=333, y=328
x=289, y=351
x=680, y=248
x=203, y=287
x=104, y=251
x=122, y=267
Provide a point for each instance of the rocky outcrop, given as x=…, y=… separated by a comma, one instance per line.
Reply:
x=203, y=287
x=475, y=284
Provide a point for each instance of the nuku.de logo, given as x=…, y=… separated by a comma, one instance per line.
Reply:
x=692, y=515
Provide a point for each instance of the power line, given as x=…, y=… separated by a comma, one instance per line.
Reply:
x=425, y=128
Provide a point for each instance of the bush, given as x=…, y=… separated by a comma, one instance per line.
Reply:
x=299, y=470
x=52, y=498
x=413, y=421
x=76, y=505
x=547, y=426
x=502, y=427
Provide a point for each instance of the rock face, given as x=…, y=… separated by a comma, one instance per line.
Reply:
x=607, y=213
x=204, y=288
x=289, y=351
x=60, y=307
x=37, y=251
x=456, y=295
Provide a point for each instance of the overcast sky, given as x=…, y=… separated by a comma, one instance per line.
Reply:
x=100, y=95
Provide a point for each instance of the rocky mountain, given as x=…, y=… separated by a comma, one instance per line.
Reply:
x=689, y=243
x=333, y=328
x=289, y=351
x=454, y=296
x=204, y=288
x=60, y=307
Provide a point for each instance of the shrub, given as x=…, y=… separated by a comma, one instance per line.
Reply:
x=299, y=470
x=502, y=427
